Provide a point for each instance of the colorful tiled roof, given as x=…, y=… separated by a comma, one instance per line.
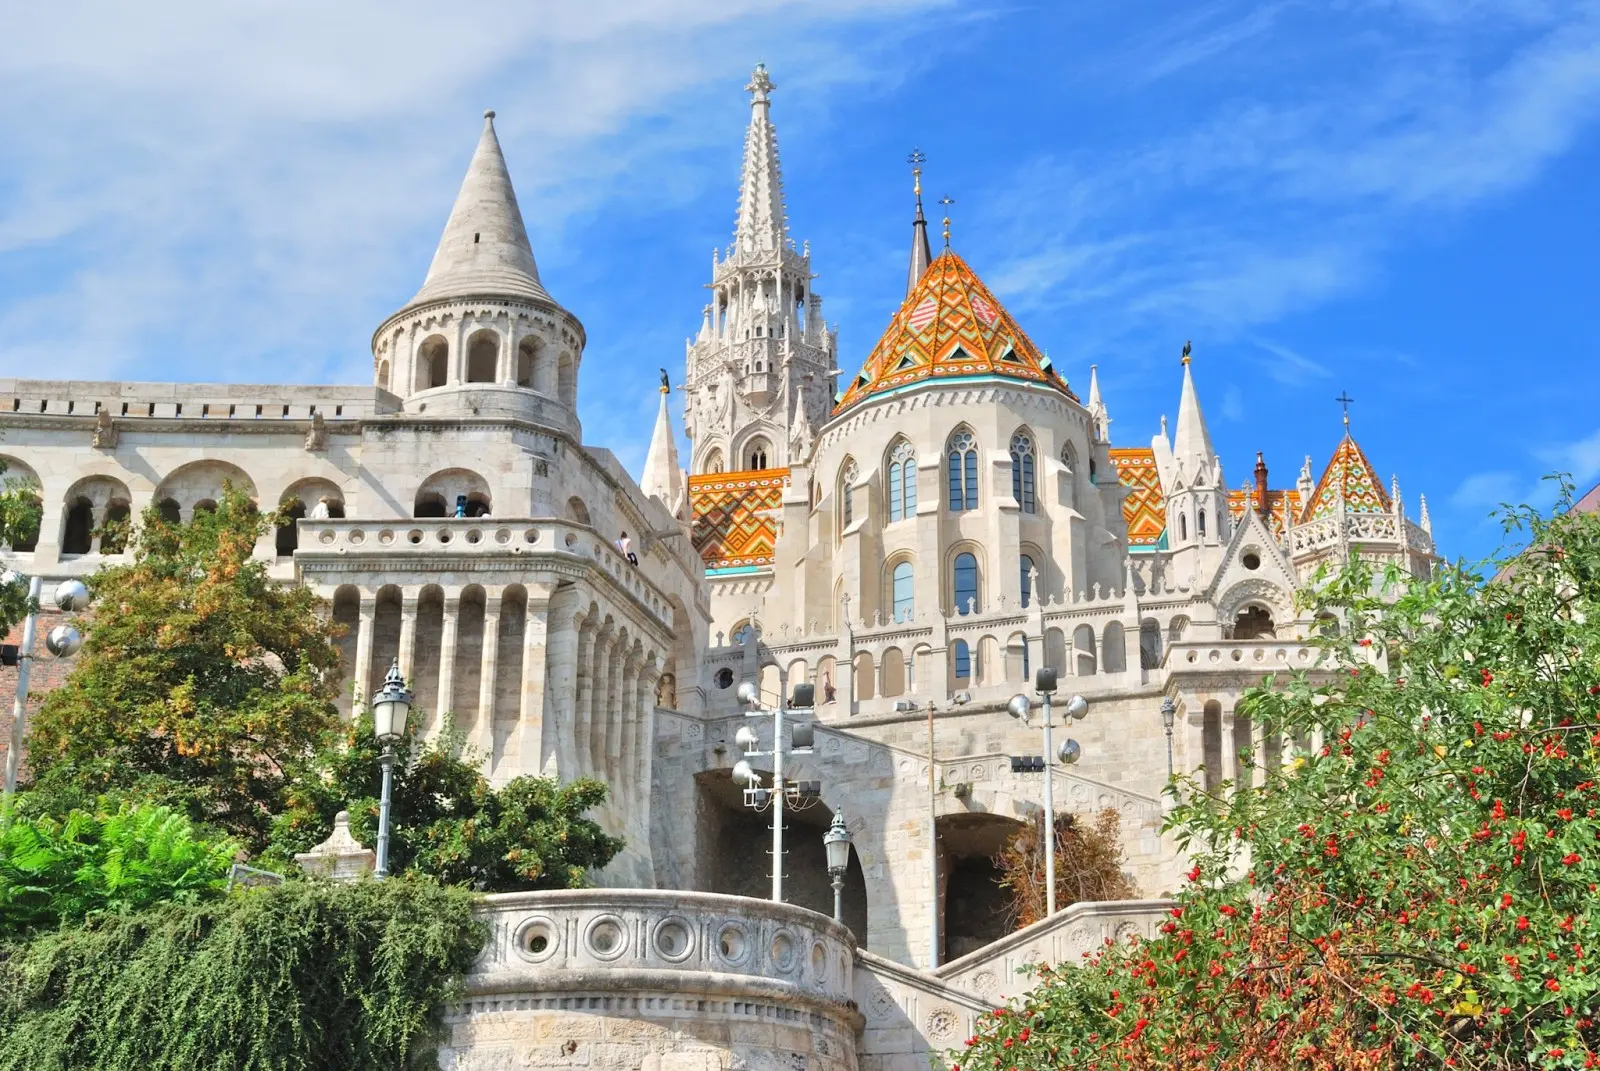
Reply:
x=950, y=326
x=1281, y=505
x=735, y=522
x=1144, y=508
x=1349, y=474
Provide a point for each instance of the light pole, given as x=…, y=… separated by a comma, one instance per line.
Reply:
x=748, y=740
x=390, y=707
x=62, y=642
x=1044, y=683
x=1169, y=715
x=836, y=841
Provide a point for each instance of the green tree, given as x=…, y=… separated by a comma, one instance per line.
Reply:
x=63, y=869
x=447, y=821
x=1418, y=890
x=308, y=974
x=201, y=682
x=20, y=512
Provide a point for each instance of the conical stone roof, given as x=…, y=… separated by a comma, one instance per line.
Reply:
x=950, y=327
x=484, y=251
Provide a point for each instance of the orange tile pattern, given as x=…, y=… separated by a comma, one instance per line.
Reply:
x=1144, y=508
x=734, y=515
x=1349, y=474
x=949, y=327
x=1281, y=505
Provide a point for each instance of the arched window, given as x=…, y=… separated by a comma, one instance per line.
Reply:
x=961, y=466
x=902, y=482
x=962, y=655
x=1183, y=526
x=902, y=592
x=745, y=633
x=757, y=453
x=433, y=364
x=1091, y=469
x=1069, y=457
x=1022, y=471
x=713, y=463
x=483, y=357
x=1201, y=527
x=964, y=582
x=1027, y=580
x=847, y=492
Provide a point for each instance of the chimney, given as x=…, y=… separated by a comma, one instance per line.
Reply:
x=1261, y=485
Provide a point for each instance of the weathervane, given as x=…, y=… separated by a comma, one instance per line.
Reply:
x=1186, y=347
x=1344, y=399
x=947, y=201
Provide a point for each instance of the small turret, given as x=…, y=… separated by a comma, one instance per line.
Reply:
x=1098, y=413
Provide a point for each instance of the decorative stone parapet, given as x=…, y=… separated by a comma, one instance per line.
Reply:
x=640, y=978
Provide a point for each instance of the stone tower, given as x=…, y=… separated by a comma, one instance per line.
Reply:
x=1198, y=520
x=759, y=369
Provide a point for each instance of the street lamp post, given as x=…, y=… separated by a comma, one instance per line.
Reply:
x=1044, y=683
x=836, y=841
x=390, y=707
x=748, y=740
x=1169, y=715
x=62, y=642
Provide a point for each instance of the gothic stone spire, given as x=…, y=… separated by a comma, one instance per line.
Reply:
x=762, y=224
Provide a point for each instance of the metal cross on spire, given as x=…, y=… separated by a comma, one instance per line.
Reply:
x=916, y=160
x=947, y=201
x=1344, y=399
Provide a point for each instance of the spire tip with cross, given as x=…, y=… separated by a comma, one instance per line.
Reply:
x=1344, y=399
x=947, y=201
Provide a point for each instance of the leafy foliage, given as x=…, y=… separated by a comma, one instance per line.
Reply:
x=54, y=870
x=300, y=975
x=1417, y=887
x=1088, y=865
x=446, y=820
x=200, y=683
x=20, y=513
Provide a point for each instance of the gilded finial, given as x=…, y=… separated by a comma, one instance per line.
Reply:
x=916, y=160
x=1186, y=348
x=947, y=201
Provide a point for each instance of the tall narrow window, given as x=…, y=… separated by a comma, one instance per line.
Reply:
x=964, y=582
x=1027, y=580
x=1201, y=527
x=1183, y=526
x=963, y=660
x=1022, y=472
x=847, y=494
x=902, y=482
x=961, y=466
x=902, y=593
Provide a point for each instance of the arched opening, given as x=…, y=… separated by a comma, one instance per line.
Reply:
x=902, y=592
x=452, y=493
x=1200, y=528
x=892, y=673
x=667, y=691
x=1083, y=650
x=901, y=484
x=483, y=357
x=383, y=375
x=863, y=675
x=346, y=613
x=1183, y=526
x=169, y=511
x=964, y=582
x=567, y=378
x=433, y=363
x=713, y=463
x=577, y=511
x=78, y=529
x=1113, y=657
x=114, y=536
x=1254, y=623
x=17, y=476
x=989, y=669
x=1149, y=644
x=1018, y=668
x=1026, y=563
x=1022, y=471
x=527, y=358
x=287, y=538
x=961, y=471
x=848, y=475
x=756, y=455
x=1177, y=628
x=430, y=504
x=961, y=663
x=734, y=844
x=1055, y=650
x=1211, y=743
x=976, y=908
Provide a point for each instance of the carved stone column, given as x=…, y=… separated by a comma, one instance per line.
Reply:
x=449, y=631
x=579, y=733
x=365, y=626
x=530, y=709
x=483, y=730
x=408, y=634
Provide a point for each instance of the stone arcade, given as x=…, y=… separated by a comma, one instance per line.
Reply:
x=918, y=536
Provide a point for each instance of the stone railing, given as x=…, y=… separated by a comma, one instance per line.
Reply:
x=991, y=971
x=1265, y=656
x=475, y=537
x=184, y=401
x=642, y=978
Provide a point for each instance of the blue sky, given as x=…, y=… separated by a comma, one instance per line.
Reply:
x=1397, y=198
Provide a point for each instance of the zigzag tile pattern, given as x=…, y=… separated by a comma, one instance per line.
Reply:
x=1281, y=505
x=950, y=326
x=734, y=516
x=1349, y=474
x=1144, y=508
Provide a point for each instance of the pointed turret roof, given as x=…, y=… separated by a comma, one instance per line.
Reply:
x=921, y=253
x=950, y=327
x=662, y=475
x=1191, y=444
x=762, y=224
x=484, y=251
x=1349, y=485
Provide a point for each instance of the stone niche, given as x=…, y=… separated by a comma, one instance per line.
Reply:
x=631, y=979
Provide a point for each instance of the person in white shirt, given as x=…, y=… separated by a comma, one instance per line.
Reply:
x=625, y=547
x=320, y=511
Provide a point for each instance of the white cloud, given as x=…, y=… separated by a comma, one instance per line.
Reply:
x=1485, y=490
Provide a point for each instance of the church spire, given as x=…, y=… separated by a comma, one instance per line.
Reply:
x=762, y=224
x=484, y=251
x=921, y=254
x=1097, y=407
x=1191, y=445
x=662, y=475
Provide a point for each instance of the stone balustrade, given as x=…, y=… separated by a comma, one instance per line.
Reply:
x=1269, y=656
x=184, y=401
x=467, y=539
x=641, y=978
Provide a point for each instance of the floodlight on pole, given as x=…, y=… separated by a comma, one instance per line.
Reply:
x=63, y=641
x=836, y=842
x=1169, y=717
x=391, y=707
